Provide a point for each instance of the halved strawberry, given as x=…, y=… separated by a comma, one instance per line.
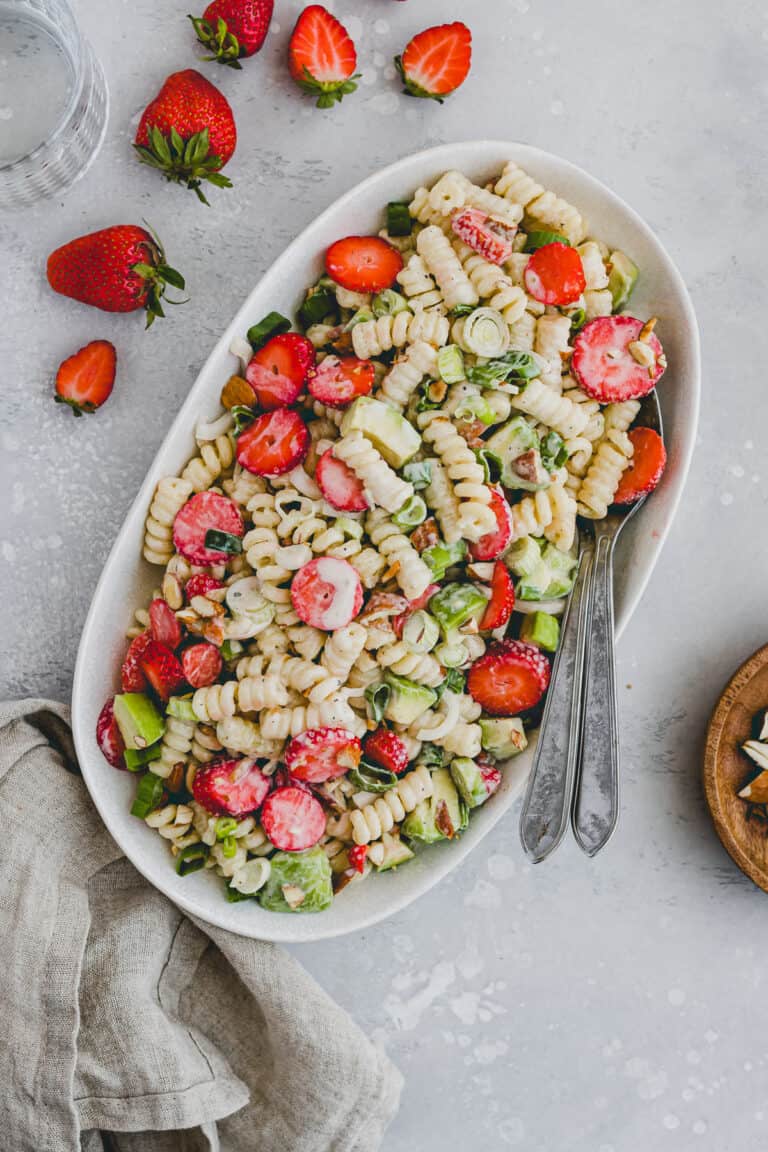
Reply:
x=321, y=754
x=205, y=512
x=337, y=382
x=274, y=443
x=327, y=593
x=502, y=599
x=490, y=236
x=293, y=819
x=278, y=371
x=84, y=381
x=436, y=61
x=132, y=678
x=356, y=856
x=161, y=668
x=363, y=263
x=163, y=624
x=201, y=584
x=510, y=677
x=109, y=737
x=387, y=750
x=645, y=468
x=321, y=56
x=494, y=543
x=230, y=787
x=604, y=365
x=554, y=274
x=339, y=484
x=202, y=664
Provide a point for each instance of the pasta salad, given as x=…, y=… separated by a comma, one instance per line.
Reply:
x=362, y=568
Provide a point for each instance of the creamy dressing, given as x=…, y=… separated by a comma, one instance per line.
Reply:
x=345, y=583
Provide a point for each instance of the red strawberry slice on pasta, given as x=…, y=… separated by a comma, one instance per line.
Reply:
x=502, y=600
x=340, y=485
x=363, y=263
x=278, y=371
x=230, y=787
x=645, y=468
x=163, y=624
x=489, y=236
x=554, y=274
x=327, y=593
x=274, y=443
x=321, y=754
x=337, y=381
x=202, y=664
x=132, y=678
x=609, y=359
x=203, y=513
x=293, y=819
x=493, y=544
x=162, y=670
x=510, y=677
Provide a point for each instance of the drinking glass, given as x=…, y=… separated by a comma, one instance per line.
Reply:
x=53, y=101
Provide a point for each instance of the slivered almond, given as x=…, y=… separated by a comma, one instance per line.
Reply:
x=237, y=391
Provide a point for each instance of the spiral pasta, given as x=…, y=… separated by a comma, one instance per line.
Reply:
x=215, y=702
x=171, y=495
x=411, y=573
x=283, y=723
x=262, y=691
x=174, y=823
x=175, y=748
x=408, y=371
x=402, y=660
x=421, y=209
x=523, y=332
x=595, y=274
x=204, y=745
x=517, y=186
x=611, y=458
x=551, y=343
x=239, y=734
x=492, y=284
x=441, y=260
x=382, y=484
x=372, y=337
x=466, y=475
x=444, y=502
x=214, y=458
x=551, y=513
x=546, y=405
x=550, y=211
x=418, y=285
x=380, y=815
x=598, y=303
x=342, y=649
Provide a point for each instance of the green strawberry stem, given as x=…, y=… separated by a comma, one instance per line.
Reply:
x=331, y=91
x=157, y=276
x=411, y=89
x=224, y=45
x=183, y=161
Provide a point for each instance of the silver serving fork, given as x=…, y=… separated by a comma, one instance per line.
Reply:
x=576, y=766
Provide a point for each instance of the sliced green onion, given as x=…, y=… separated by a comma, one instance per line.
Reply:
x=388, y=303
x=452, y=654
x=181, y=708
x=136, y=758
x=223, y=542
x=377, y=697
x=492, y=465
x=431, y=756
x=485, y=332
x=577, y=318
x=553, y=451
x=360, y=317
x=455, y=681
x=242, y=416
x=513, y=365
x=372, y=778
x=419, y=474
x=461, y=310
x=440, y=557
x=541, y=239
x=149, y=795
x=351, y=528
x=425, y=402
x=191, y=859
x=399, y=222
x=319, y=303
x=271, y=325
x=228, y=847
x=231, y=648
x=475, y=408
x=450, y=364
x=413, y=512
x=421, y=631
x=225, y=826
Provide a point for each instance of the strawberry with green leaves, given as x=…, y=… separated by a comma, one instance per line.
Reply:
x=436, y=61
x=84, y=381
x=188, y=132
x=118, y=269
x=322, y=57
x=233, y=29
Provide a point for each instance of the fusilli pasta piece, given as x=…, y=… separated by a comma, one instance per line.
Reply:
x=282, y=723
x=174, y=823
x=342, y=650
x=517, y=186
x=372, y=337
x=444, y=502
x=441, y=260
x=175, y=748
x=492, y=284
x=550, y=211
x=546, y=405
x=419, y=285
x=551, y=513
x=599, y=485
x=382, y=813
x=465, y=473
x=171, y=495
x=238, y=734
x=411, y=573
x=408, y=371
x=382, y=484
x=214, y=458
x=403, y=661
x=551, y=343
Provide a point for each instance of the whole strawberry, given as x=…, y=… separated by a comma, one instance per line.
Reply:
x=188, y=132
x=118, y=269
x=232, y=29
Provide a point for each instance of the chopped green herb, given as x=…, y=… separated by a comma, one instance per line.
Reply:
x=541, y=239
x=377, y=697
x=225, y=826
x=492, y=465
x=461, y=310
x=243, y=416
x=371, y=777
x=513, y=365
x=388, y=303
x=271, y=325
x=419, y=474
x=399, y=222
x=191, y=859
x=223, y=542
x=319, y=303
x=149, y=795
x=553, y=451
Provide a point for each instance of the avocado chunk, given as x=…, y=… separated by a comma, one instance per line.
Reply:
x=517, y=448
x=621, y=279
x=136, y=758
x=469, y=781
x=407, y=700
x=298, y=882
x=441, y=817
x=551, y=578
x=181, y=708
x=420, y=825
x=396, y=852
x=387, y=429
x=138, y=719
x=503, y=736
x=541, y=629
x=523, y=557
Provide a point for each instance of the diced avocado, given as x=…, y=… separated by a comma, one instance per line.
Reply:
x=454, y=604
x=469, y=781
x=503, y=736
x=621, y=279
x=298, y=882
x=420, y=824
x=407, y=699
x=541, y=629
x=523, y=557
x=396, y=851
x=138, y=719
x=385, y=427
x=181, y=708
x=441, y=817
x=551, y=578
x=136, y=758
x=516, y=445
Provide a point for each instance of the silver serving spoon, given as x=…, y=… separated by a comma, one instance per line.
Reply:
x=576, y=765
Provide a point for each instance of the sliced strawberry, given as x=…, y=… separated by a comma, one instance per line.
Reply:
x=321, y=754
x=108, y=736
x=321, y=56
x=163, y=624
x=202, y=664
x=489, y=235
x=161, y=668
x=554, y=274
x=293, y=819
x=230, y=787
x=604, y=365
x=436, y=61
x=502, y=599
x=645, y=468
x=339, y=484
x=356, y=856
x=201, y=584
x=205, y=512
x=132, y=678
x=491, y=776
x=85, y=380
x=278, y=371
x=494, y=543
x=363, y=263
x=327, y=593
x=387, y=750
x=337, y=382
x=274, y=443
x=511, y=677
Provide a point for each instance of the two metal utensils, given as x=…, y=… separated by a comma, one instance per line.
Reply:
x=575, y=773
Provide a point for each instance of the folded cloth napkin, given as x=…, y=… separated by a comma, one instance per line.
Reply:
x=129, y=1027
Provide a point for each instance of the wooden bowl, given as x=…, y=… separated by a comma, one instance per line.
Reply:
x=727, y=769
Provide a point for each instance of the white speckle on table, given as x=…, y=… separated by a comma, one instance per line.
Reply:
x=748, y=1065
x=465, y=1007
x=671, y=1122
x=711, y=1036
x=699, y=1127
x=379, y=59
x=693, y=1057
x=469, y=962
x=511, y=1130
x=275, y=28
x=726, y=498
x=6, y=113
x=749, y=445
x=501, y=867
x=736, y=470
x=354, y=26
x=557, y=107
x=369, y=77
x=385, y=103
x=380, y=27
x=8, y=551
x=406, y=1014
x=488, y=1053
x=676, y=996
x=483, y=895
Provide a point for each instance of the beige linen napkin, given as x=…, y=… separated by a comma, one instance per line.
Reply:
x=128, y=1027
